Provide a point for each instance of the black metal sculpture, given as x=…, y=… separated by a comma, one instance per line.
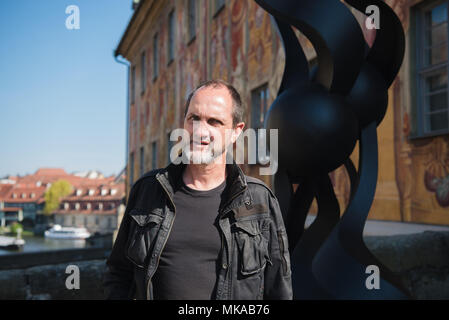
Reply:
x=320, y=115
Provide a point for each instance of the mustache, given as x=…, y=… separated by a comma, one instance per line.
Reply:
x=200, y=139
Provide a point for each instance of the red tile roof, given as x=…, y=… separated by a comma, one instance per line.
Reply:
x=85, y=211
x=11, y=209
x=20, y=193
x=36, y=184
x=4, y=189
x=50, y=172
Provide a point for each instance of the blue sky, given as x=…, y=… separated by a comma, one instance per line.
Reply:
x=62, y=94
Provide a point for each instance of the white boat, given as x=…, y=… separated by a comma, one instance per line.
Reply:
x=11, y=243
x=58, y=232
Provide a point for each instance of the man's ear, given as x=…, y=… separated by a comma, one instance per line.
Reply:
x=237, y=130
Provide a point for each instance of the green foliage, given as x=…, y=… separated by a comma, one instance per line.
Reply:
x=53, y=195
x=4, y=230
x=15, y=227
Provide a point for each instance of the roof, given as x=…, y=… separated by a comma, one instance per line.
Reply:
x=97, y=193
x=50, y=172
x=86, y=212
x=23, y=193
x=11, y=209
x=131, y=22
x=139, y=17
x=4, y=189
x=31, y=188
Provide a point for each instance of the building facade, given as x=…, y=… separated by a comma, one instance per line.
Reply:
x=94, y=202
x=173, y=45
x=95, y=207
x=21, y=198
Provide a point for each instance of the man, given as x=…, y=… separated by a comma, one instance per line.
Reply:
x=202, y=230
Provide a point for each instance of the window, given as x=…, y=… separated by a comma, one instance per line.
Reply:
x=432, y=68
x=191, y=19
x=218, y=5
x=155, y=57
x=142, y=159
x=143, y=77
x=154, y=155
x=259, y=106
x=171, y=36
x=133, y=84
x=259, y=98
x=131, y=169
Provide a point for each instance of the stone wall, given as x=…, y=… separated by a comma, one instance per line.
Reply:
x=48, y=282
x=420, y=260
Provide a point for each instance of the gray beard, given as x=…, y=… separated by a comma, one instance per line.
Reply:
x=203, y=157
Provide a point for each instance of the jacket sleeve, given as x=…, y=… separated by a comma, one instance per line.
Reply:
x=118, y=278
x=278, y=282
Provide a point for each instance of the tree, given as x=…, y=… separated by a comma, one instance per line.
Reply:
x=53, y=195
x=16, y=228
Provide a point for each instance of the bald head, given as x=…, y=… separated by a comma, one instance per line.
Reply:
x=220, y=87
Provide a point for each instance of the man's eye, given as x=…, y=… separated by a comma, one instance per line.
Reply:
x=215, y=121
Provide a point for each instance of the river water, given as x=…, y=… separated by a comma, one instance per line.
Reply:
x=37, y=244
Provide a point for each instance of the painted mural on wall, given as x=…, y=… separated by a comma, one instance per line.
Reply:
x=240, y=45
x=260, y=43
x=436, y=176
x=423, y=164
x=238, y=19
x=218, y=47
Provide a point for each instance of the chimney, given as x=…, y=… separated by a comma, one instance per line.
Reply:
x=135, y=4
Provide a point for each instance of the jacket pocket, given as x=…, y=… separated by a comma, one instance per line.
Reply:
x=252, y=246
x=143, y=233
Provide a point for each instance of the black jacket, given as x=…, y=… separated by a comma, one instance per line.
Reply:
x=254, y=255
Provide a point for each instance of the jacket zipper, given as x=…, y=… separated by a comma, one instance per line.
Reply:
x=166, y=238
x=222, y=246
x=230, y=272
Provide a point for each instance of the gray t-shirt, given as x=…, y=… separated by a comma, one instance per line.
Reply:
x=189, y=262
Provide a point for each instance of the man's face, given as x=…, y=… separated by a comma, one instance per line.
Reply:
x=210, y=125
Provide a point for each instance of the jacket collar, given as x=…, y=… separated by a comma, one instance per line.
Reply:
x=170, y=178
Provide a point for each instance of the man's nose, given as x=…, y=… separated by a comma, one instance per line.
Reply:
x=200, y=129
